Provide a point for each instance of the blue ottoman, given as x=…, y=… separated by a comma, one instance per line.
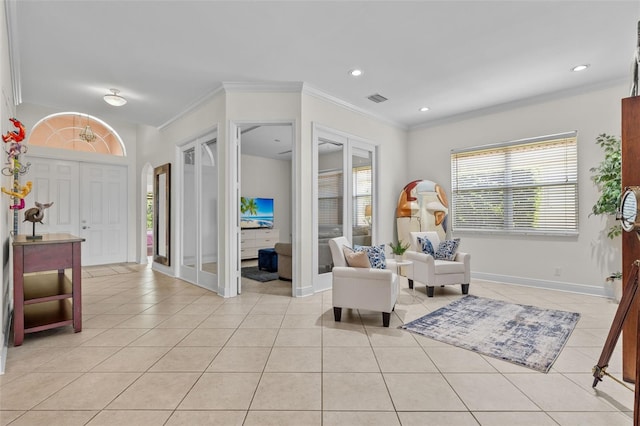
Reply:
x=268, y=260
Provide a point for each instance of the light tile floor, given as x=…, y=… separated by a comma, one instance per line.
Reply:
x=155, y=350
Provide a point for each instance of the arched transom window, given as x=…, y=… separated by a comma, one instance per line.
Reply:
x=74, y=131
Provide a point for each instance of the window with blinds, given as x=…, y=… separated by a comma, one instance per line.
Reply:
x=362, y=185
x=527, y=186
x=330, y=198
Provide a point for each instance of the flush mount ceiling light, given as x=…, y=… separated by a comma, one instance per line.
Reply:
x=355, y=72
x=579, y=68
x=424, y=109
x=114, y=99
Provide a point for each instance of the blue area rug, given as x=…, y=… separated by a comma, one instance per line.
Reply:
x=252, y=272
x=525, y=335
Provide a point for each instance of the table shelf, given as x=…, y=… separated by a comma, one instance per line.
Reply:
x=46, y=315
x=43, y=296
x=46, y=287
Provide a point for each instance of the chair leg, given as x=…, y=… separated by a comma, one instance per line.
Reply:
x=337, y=314
x=386, y=317
x=465, y=288
x=430, y=290
x=410, y=283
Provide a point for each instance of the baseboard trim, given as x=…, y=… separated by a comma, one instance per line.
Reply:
x=545, y=284
x=5, y=345
x=304, y=291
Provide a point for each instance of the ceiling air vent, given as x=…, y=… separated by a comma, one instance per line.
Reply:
x=377, y=98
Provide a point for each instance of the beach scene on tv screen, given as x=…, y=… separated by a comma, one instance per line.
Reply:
x=256, y=212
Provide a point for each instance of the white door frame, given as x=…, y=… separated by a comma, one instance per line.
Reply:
x=233, y=208
x=193, y=275
x=322, y=282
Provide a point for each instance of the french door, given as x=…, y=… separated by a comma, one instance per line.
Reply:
x=199, y=212
x=89, y=200
x=344, y=201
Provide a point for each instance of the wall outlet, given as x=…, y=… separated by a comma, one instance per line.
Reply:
x=557, y=272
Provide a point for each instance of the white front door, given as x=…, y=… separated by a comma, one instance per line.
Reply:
x=53, y=181
x=89, y=200
x=103, y=213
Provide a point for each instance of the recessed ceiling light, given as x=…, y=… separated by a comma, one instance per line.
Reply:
x=578, y=68
x=355, y=72
x=424, y=109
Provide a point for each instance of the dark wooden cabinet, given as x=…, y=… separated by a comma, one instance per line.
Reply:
x=43, y=295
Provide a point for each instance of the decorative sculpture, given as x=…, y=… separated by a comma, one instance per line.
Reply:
x=13, y=135
x=15, y=168
x=422, y=206
x=36, y=214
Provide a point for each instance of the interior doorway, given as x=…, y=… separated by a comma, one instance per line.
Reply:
x=266, y=206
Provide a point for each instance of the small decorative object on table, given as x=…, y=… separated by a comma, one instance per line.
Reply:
x=36, y=214
x=399, y=248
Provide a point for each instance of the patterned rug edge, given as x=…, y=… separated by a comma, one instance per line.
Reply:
x=575, y=317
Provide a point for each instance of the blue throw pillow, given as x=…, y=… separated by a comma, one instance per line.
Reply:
x=375, y=253
x=426, y=245
x=447, y=249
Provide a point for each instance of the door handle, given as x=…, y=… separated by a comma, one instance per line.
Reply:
x=86, y=227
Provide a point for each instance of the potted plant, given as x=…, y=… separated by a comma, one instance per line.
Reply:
x=616, y=281
x=608, y=177
x=399, y=248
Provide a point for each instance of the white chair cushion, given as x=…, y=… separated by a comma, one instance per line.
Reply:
x=449, y=267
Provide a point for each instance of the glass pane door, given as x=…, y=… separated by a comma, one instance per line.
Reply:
x=330, y=199
x=345, y=196
x=189, y=216
x=208, y=271
x=362, y=196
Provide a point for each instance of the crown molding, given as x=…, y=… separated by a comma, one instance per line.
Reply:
x=280, y=87
x=192, y=106
x=14, y=56
x=313, y=91
x=520, y=103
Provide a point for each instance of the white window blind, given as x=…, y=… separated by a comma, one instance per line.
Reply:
x=330, y=198
x=528, y=186
x=362, y=185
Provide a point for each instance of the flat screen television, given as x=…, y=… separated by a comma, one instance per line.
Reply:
x=256, y=213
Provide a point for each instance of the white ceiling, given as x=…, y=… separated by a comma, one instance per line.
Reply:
x=452, y=56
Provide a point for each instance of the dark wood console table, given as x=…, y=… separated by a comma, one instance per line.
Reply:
x=48, y=299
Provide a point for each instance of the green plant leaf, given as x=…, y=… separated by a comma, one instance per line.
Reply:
x=608, y=178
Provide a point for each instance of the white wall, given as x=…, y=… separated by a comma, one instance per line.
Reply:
x=158, y=147
x=268, y=178
x=585, y=261
x=7, y=110
x=237, y=105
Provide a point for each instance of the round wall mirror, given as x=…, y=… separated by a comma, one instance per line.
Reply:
x=629, y=209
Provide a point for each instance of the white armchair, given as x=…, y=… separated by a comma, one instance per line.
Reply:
x=361, y=288
x=431, y=272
